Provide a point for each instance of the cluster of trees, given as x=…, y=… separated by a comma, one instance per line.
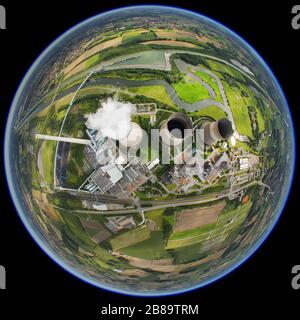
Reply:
x=254, y=124
x=232, y=82
x=192, y=59
x=146, y=36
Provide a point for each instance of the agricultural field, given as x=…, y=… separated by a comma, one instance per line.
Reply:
x=45, y=161
x=223, y=226
x=187, y=36
x=152, y=248
x=137, y=36
x=197, y=217
x=174, y=43
x=42, y=200
x=97, y=231
x=133, y=33
x=78, y=64
x=239, y=96
x=174, y=34
x=129, y=238
x=75, y=232
x=91, y=61
x=187, y=254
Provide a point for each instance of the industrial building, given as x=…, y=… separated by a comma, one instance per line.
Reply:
x=117, y=224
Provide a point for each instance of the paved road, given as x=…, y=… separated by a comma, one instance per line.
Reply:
x=161, y=204
x=63, y=139
x=226, y=104
x=99, y=198
x=165, y=65
x=158, y=82
x=198, y=199
x=131, y=84
x=110, y=64
x=63, y=123
x=106, y=213
x=219, y=60
x=183, y=67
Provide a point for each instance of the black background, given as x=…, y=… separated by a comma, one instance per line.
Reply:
x=36, y=286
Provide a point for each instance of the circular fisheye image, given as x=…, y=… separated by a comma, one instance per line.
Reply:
x=149, y=151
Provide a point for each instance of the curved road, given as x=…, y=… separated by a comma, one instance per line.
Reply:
x=183, y=67
x=190, y=107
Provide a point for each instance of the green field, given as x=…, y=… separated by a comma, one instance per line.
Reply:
x=152, y=249
x=245, y=146
x=75, y=173
x=75, y=231
x=171, y=187
x=211, y=82
x=48, y=152
x=137, y=36
x=251, y=101
x=187, y=254
x=212, y=111
x=129, y=238
x=223, y=68
x=239, y=110
x=132, y=33
x=192, y=232
x=74, y=237
x=158, y=93
x=92, y=60
x=260, y=121
x=240, y=212
x=239, y=96
x=160, y=217
x=155, y=216
x=191, y=91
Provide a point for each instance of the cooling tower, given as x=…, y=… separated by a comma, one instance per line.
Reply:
x=173, y=130
x=216, y=131
x=134, y=137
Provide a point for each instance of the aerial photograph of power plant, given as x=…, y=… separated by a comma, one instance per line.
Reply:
x=149, y=151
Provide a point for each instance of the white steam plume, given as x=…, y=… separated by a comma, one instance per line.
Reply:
x=113, y=119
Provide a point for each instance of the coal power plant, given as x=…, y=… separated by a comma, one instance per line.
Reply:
x=175, y=129
x=216, y=131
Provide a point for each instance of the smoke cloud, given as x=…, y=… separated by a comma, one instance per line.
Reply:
x=113, y=119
